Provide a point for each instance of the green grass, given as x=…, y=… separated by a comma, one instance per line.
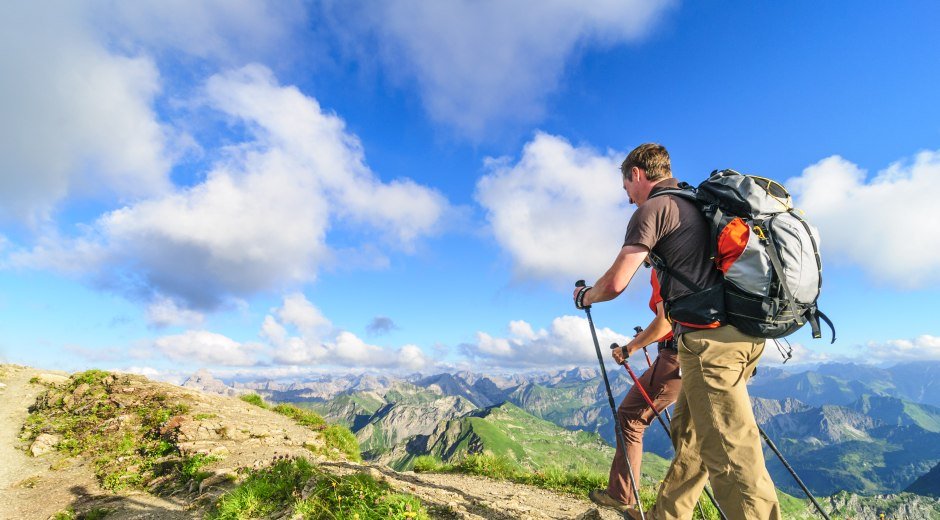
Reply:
x=191, y=467
x=338, y=439
x=303, y=417
x=96, y=513
x=254, y=399
x=281, y=487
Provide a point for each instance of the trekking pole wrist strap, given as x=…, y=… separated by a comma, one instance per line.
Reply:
x=579, y=299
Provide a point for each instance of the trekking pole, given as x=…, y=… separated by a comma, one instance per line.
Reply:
x=613, y=409
x=770, y=444
x=638, y=329
x=649, y=401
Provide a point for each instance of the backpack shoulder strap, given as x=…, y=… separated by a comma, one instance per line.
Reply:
x=685, y=190
x=711, y=211
x=657, y=262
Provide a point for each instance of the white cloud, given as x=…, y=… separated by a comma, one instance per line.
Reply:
x=478, y=62
x=315, y=341
x=224, y=30
x=566, y=342
x=560, y=212
x=887, y=225
x=74, y=117
x=922, y=348
x=800, y=354
x=164, y=312
x=79, y=82
x=204, y=347
x=260, y=219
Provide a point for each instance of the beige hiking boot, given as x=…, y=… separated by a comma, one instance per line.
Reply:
x=601, y=498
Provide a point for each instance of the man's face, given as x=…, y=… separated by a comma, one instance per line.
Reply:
x=629, y=186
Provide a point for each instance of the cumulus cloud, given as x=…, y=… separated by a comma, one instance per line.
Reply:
x=204, y=347
x=566, y=342
x=922, y=348
x=858, y=217
x=78, y=86
x=478, y=62
x=260, y=219
x=560, y=211
x=299, y=335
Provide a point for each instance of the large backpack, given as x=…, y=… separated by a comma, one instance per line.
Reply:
x=767, y=253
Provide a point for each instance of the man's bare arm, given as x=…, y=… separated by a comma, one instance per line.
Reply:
x=657, y=328
x=616, y=279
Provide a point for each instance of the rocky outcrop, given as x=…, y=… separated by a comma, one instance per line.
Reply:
x=204, y=381
x=396, y=422
x=766, y=409
x=901, y=506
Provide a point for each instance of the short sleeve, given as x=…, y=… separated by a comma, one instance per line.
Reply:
x=650, y=223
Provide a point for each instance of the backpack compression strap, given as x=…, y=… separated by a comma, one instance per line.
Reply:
x=768, y=241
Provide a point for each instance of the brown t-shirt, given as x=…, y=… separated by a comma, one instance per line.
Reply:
x=675, y=230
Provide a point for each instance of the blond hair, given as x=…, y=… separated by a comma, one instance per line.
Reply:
x=650, y=157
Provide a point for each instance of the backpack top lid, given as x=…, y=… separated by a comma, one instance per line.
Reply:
x=746, y=196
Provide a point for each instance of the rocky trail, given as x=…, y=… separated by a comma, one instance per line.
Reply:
x=38, y=481
x=474, y=498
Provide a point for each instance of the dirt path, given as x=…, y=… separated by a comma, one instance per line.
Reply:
x=39, y=487
x=475, y=498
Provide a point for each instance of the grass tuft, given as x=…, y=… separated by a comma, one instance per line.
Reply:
x=306, y=418
x=309, y=493
x=254, y=399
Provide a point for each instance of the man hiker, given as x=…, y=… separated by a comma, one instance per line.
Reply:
x=713, y=428
x=661, y=383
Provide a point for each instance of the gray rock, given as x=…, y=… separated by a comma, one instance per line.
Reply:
x=44, y=444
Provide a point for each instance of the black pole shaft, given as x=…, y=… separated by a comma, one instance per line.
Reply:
x=613, y=410
x=770, y=444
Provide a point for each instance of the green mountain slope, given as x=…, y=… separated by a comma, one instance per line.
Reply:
x=533, y=443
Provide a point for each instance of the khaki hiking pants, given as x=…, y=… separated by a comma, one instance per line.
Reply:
x=714, y=431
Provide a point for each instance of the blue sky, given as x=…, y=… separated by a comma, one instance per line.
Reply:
x=287, y=188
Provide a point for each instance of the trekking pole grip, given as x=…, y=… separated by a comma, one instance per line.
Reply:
x=579, y=283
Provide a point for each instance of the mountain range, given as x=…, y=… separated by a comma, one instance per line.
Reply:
x=843, y=426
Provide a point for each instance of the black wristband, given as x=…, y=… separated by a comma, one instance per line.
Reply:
x=579, y=299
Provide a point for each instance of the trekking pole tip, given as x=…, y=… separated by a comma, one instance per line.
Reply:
x=579, y=283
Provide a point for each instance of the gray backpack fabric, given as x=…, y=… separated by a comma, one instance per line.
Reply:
x=767, y=253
